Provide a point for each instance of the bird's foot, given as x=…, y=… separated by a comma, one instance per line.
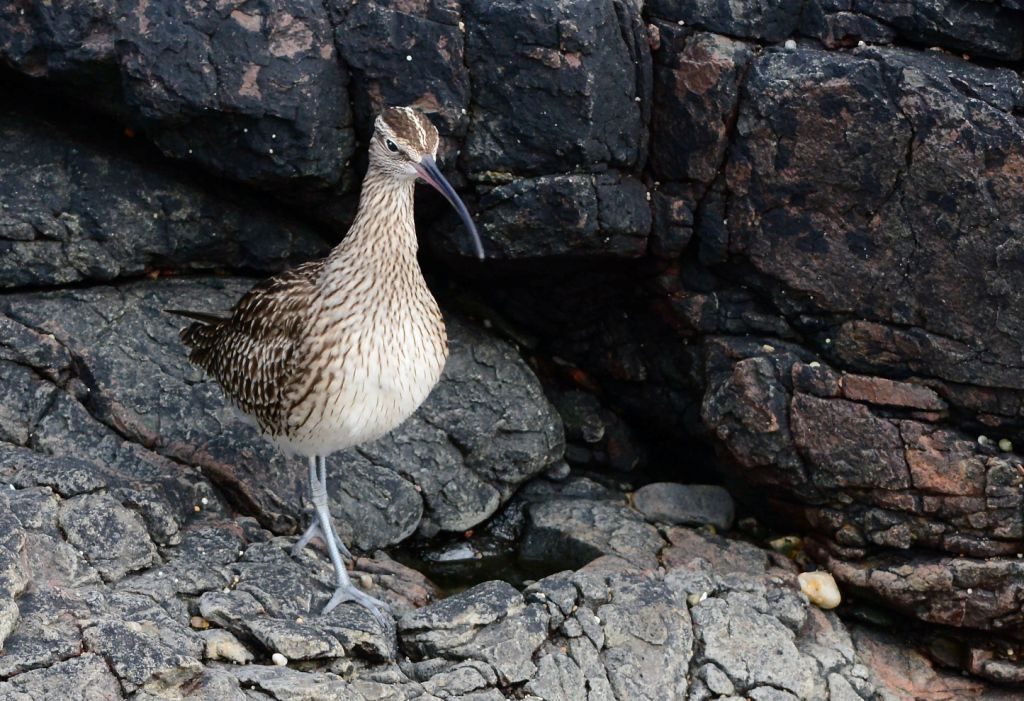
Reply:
x=348, y=592
x=314, y=530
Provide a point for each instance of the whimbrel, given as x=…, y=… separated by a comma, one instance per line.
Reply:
x=340, y=351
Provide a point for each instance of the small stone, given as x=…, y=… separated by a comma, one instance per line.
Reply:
x=820, y=588
x=686, y=504
x=790, y=44
x=366, y=581
x=222, y=645
x=983, y=440
x=1006, y=445
x=199, y=623
x=279, y=659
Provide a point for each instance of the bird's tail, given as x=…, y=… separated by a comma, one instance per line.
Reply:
x=200, y=335
x=197, y=316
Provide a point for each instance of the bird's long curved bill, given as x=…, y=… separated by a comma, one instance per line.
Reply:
x=429, y=171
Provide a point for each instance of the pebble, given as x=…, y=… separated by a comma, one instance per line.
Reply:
x=1006, y=445
x=279, y=659
x=820, y=588
x=790, y=44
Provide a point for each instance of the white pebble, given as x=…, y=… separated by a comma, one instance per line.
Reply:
x=790, y=44
x=1006, y=445
x=204, y=501
x=814, y=364
x=279, y=659
x=408, y=57
x=271, y=151
x=983, y=440
x=768, y=348
x=366, y=581
x=861, y=44
x=820, y=588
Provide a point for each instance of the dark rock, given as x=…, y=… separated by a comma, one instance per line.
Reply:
x=253, y=93
x=399, y=54
x=769, y=21
x=152, y=653
x=889, y=256
x=573, y=532
x=73, y=211
x=562, y=87
x=985, y=29
x=566, y=215
x=688, y=504
x=697, y=79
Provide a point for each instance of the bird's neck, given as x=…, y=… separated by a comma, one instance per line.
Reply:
x=384, y=227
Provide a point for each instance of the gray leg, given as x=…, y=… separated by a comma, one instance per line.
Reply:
x=344, y=591
x=318, y=476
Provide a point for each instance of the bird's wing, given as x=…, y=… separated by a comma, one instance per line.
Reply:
x=250, y=353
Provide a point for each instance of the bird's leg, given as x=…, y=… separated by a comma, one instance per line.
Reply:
x=345, y=590
x=318, y=482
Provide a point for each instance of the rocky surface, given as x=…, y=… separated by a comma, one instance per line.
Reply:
x=787, y=235
x=695, y=617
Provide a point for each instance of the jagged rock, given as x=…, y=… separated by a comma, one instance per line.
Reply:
x=76, y=211
x=490, y=623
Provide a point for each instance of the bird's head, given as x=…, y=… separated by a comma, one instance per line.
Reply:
x=404, y=146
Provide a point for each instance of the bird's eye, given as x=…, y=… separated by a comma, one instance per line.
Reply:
x=391, y=146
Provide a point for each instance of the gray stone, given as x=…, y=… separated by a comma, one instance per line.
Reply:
x=575, y=531
x=112, y=538
x=152, y=652
x=489, y=622
x=222, y=645
x=687, y=504
x=86, y=677
x=761, y=652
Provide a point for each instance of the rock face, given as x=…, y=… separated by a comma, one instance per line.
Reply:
x=785, y=232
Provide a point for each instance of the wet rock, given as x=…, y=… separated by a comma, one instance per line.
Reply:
x=697, y=78
x=768, y=21
x=76, y=211
x=556, y=215
x=868, y=264
x=575, y=531
x=257, y=95
x=405, y=55
x=689, y=504
x=562, y=87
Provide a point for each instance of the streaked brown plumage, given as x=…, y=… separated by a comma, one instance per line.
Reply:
x=340, y=351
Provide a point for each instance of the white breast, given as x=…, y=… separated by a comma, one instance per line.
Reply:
x=374, y=377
